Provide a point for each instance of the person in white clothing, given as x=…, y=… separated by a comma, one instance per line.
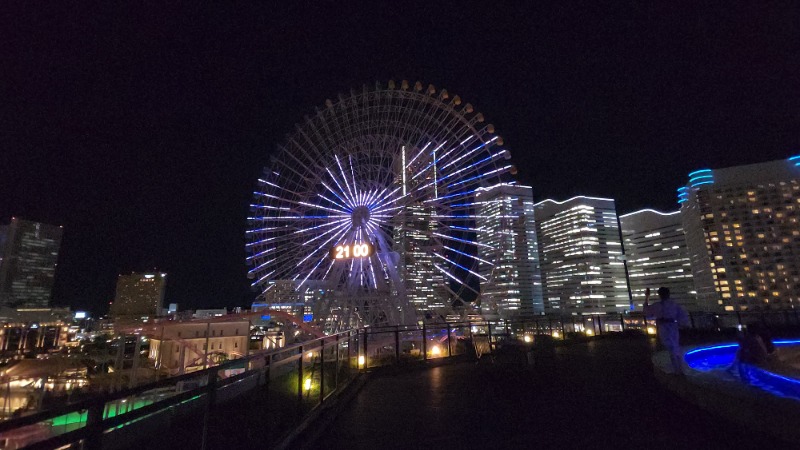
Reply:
x=669, y=317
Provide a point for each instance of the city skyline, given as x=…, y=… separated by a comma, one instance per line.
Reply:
x=143, y=139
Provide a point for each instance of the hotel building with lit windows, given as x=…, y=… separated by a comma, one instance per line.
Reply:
x=139, y=296
x=743, y=235
x=507, y=235
x=656, y=255
x=581, y=256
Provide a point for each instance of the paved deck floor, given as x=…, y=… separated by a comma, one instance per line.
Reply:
x=600, y=394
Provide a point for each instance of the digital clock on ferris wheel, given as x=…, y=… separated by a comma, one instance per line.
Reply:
x=352, y=250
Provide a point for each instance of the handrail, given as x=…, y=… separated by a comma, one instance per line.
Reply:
x=358, y=343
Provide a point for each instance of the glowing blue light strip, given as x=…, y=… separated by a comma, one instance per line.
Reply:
x=467, y=254
x=480, y=244
x=459, y=265
x=344, y=200
x=261, y=253
x=306, y=230
x=700, y=177
x=344, y=177
x=682, y=200
x=682, y=188
x=794, y=158
x=419, y=153
x=254, y=269
x=469, y=153
x=335, y=203
x=254, y=283
x=485, y=174
x=702, y=182
x=699, y=171
x=451, y=196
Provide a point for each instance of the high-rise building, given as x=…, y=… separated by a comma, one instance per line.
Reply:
x=28, y=263
x=656, y=253
x=743, y=235
x=507, y=236
x=424, y=284
x=580, y=253
x=139, y=295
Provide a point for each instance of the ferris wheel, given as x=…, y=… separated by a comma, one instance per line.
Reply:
x=370, y=211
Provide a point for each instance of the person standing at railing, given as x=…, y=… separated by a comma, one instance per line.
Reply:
x=669, y=317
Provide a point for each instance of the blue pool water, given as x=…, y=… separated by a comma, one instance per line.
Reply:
x=720, y=357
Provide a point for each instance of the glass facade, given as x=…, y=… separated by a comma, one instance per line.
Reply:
x=743, y=236
x=28, y=263
x=507, y=235
x=580, y=252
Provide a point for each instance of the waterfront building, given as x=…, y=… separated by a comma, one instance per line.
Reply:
x=28, y=260
x=512, y=287
x=139, y=295
x=656, y=255
x=743, y=235
x=189, y=346
x=580, y=253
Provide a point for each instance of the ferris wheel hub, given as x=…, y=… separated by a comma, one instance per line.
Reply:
x=360, y=216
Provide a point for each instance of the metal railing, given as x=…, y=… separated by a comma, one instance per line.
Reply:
x=298, y=378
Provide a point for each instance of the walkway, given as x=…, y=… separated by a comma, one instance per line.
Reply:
x=596, y=395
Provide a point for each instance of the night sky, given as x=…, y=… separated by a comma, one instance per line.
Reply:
x=142, y=131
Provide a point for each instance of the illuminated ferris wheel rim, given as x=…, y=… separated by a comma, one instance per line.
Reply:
x=350, y=173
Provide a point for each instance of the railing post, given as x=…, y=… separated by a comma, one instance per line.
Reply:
x=94, y=419
x=489, y=334
x=691, y=320
x=739, y=317
x=397, y=344
x=621, y=322
x=336, y=366
x=322, y=371
x=424, y=342
x=449, y=350
x=300, y=379
x=366, y=357
x=211, y=396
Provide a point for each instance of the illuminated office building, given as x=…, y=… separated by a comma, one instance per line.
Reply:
x=655, y=248
x=424, y=284
x=507, y=235
x=139, y=295
x=580, y=250
x=28, y=263
x=743, y=235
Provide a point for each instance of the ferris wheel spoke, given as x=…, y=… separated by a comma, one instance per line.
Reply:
x=456, y=279
x=344, y=177
x=468, y=255
x=344, y=200
x=463, y=241
x=455, y=264
x=323, y=256
x=345, y=225
x=468, y=153
x=333, y=202
x=261, y=280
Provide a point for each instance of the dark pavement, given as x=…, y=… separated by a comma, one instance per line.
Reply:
x=600, y=394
